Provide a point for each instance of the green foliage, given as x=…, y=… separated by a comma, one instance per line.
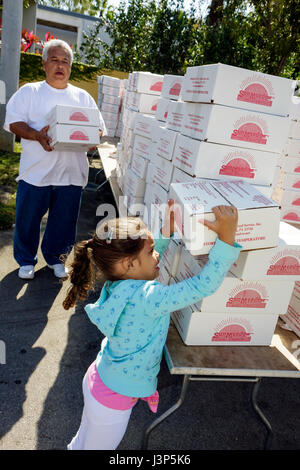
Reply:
x=9, y=167
x=31, y=69
x=162, y=36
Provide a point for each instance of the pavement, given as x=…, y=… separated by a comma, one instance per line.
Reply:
x=46, y=351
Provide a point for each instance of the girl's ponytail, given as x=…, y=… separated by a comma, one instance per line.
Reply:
x=82, y=274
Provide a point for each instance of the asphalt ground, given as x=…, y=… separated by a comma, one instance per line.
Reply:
x=47, y=351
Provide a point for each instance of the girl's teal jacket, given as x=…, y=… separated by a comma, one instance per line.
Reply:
x=134, y=316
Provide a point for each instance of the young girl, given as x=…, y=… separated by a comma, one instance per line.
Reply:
x=133, y=312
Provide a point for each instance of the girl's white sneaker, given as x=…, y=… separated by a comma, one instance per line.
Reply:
x=26, y=272
x=59, y=270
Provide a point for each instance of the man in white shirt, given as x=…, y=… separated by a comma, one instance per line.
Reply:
x=48, y=180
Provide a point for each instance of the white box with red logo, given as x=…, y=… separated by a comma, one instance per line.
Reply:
x=291, y=181
x=258, y=216
x=221, y=329
x=144, y=103
x=109, y=81
x=145, y=82
x=110, y=90
x=73, y=138
x=175, y=116
x=233, y=126
x=290, y=164
x=287, y=197
x=290, y=214
x=279, y=263
x=209, y=160
x=238, y=87
x=292, y=316
x=162, y=173
x=248, y=296
x=63, y=114
x=165, y=142
x=162, y=107
x=171, y=88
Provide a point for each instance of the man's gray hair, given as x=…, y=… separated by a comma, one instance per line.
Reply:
x=56, y=43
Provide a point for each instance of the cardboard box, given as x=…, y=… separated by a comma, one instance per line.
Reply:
x=143, y=146
x=144, y=125
x=162, y=173
x=287, y=197
x=221, y=329
x=280, y=263
x=290, y=164
x=110, y=99
x=110, y=90
x=290, y=214
x=129, y=118
x=259, y=217
x=171, y=88
x=292, y=317
x=209, y=160
x=165, y=142
x=73, y=115
x=134, y=205
x=294, y=112
x=162, y=107
x=292, y=148
x=171, y=255
x=111, y=81
x=164, y=276
x=110, y=119
x=238, y=87
x=233, y=126
x=73, y=138
x=294, y=130
x=145, y=82
x=175, y=116
x=139, y=165
x=150, y=172
x=144, y=103
x=263, y=295
x=291, y=181
x=180, y=176
x=134, y=185
x=109, y=108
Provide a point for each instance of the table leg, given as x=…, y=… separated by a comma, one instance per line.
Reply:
x=167, y=413
x=261, y=415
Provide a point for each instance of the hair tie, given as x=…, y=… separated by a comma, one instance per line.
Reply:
x=89, y=243
x=109, y=236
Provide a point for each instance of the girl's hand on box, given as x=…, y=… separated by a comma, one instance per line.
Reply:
x=168, y=227
x=225, y=224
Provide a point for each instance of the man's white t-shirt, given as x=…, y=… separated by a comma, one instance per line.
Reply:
x=31, y=104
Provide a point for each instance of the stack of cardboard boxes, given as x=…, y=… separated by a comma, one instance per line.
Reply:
x=287, y=188
x=227, y=126
x=73, y=128
x=110, y=92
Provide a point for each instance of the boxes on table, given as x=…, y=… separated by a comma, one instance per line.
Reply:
x=176, y=110
x=234, y=126
x=279, y=263
x=234, y=86
x=162, y=107
x=165, y=142
x=145, y=82
x=162, y=173
x=144, y=103
x=259, y=216
x=210, y=160
x=133, y=184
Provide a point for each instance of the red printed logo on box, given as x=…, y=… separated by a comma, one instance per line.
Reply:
x=250, y=129
x=238, y=164
x=157, y=86
x=79, y=116
x=257, y=90
x=291, y=216
x=296, y=202
x=175, y=89
x=248, y=295
x=233, y=329
x=285, y=262
x=78, y=135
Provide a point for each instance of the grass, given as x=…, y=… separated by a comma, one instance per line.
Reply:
x=9, y=168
